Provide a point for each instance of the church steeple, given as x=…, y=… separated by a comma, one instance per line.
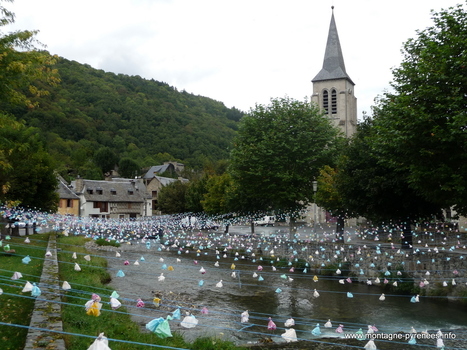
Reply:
x=333, y=90
x=333, y=64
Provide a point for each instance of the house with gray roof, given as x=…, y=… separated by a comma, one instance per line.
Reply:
x=115, y=199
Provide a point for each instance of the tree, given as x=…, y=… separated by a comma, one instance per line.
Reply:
x=26, y=169
x=422, y=125
x=105, y=159
x=172, y=198
x=278, y=153
x=127, y=167
x=23, y=68
x=329, y=197
x=216, y=199
x=376, y=190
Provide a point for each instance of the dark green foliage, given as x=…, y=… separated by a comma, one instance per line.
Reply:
x=172, y=198
x=422, y=124
x=105, y=159
x=128, y=168
x=26, y=169
x=278, y=153
x=144, y=120
x=376, y=190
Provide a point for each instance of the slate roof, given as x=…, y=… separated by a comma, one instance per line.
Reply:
x=333, y=63
x=64, y=191
x=156, y=169
x=112, y=191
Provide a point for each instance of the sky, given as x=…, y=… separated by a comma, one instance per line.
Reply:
x=241, y=52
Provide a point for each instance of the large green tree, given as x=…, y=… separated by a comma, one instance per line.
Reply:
x=377, y=190
x=26, y=169
x=277, y=155
x=422, y=124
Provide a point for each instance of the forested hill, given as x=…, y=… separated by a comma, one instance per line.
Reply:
x=145, y=120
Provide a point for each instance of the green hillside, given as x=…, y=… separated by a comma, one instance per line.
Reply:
x=145, y=120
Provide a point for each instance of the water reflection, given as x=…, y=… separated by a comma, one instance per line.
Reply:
x=245, y=292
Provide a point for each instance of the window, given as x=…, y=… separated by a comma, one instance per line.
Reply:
x=130, y=191
x=102, y=206
x=90, y=191
x=325, y=100
x=334, y=101
x=113, y=191
x=69, y=203
x=99, y=190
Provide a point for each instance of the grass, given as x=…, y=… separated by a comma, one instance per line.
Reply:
x=93, y=278
x=102, y=241
x=15, y=308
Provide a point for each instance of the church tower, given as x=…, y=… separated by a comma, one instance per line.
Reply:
x=333, y=90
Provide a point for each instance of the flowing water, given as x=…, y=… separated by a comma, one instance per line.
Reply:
x=181, y=288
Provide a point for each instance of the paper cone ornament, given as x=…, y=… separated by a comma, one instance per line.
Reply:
x=189, y=321
x=1, y=291
x=161, y=278
x=232, y=267
x=74, y=256
x=271, y=325
x=66, y=285
x=26, y=260
x=315, y=278
x=120, y=273
x=328, y=324
x=27, y=240
x=289, y=322
x=139, y=303
x=382, y=297
x=136, y=263
x=339, y=329
x=152, y=325
x=35, y=292
x=48, y=254
x=315, y=294
x=219, y=284
x=156, y=302
x=204, y=311
x=114, y=303
x=16, y=275
x=87, y=257
x=176, y=314
x=370, y=345
x=316, y=331
x=349, y=295
x=101, y=343
x=216, y=264
x=27, y=287
x=200, y=283
x=114, y=295
x=289, y=335
x=260, y=278
x=77, y=268
x=244, y=316
x=278, y=290
x=202, y=270
x=170, y=268
x=93, y=308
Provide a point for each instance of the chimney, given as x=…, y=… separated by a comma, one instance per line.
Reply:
x=79, y=183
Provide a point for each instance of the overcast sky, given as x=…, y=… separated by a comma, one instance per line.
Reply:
x=239, y=52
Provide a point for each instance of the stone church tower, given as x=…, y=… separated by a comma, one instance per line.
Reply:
x=333, y=90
